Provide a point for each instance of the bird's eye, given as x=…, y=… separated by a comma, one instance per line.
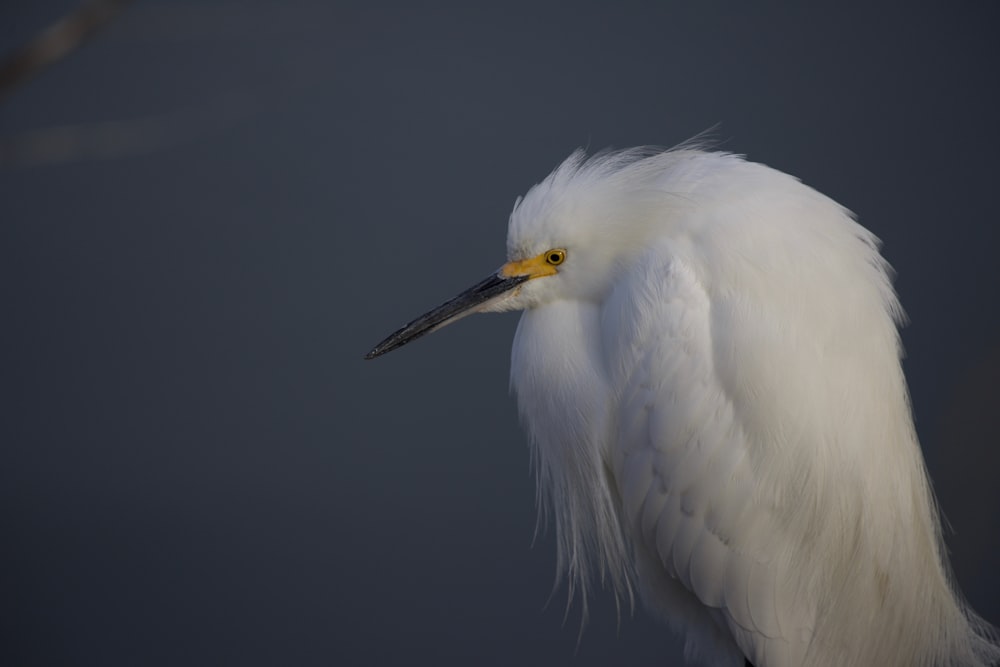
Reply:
x=555, y=257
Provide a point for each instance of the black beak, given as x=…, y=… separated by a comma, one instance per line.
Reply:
x=450, y=311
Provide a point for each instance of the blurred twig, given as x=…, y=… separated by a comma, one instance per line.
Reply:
x=56, y=42
x=125, y=137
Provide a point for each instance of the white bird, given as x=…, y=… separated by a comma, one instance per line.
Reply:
x=708, y=367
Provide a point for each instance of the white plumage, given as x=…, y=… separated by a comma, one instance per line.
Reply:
x=710, y=377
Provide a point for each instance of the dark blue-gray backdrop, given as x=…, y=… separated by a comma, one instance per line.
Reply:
x=210, y=212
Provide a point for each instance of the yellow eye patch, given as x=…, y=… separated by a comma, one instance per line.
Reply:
x=535, y=267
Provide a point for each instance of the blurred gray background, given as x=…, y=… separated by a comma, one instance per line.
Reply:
x=212, y=210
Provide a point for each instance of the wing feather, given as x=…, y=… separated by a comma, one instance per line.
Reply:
x=686, y=469
x=707, y=560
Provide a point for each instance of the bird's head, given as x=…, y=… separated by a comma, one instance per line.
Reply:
x=567, y=238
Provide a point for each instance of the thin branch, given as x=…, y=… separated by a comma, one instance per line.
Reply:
x=56, y=42
x=126, y=137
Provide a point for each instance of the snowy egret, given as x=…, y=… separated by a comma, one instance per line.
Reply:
x=708, y=368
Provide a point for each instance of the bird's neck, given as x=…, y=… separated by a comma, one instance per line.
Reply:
x=564, y=401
